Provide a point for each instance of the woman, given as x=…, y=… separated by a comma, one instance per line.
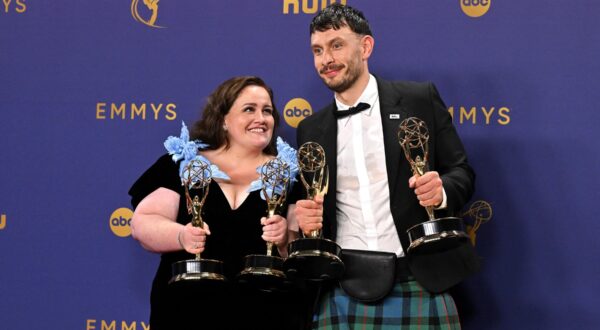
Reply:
x=235, y=137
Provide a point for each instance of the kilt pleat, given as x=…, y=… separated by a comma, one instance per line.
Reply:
x=407, y=307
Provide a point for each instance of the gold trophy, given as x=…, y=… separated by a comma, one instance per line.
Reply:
x=265, y=272
x=197, y=177
x=314, y=257
x=435, y=234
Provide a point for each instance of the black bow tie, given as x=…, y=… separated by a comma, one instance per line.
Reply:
x=352, y=110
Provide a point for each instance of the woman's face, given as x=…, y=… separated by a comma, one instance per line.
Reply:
x=250, y=120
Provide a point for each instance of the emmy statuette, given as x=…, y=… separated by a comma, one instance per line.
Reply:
x=435, y=234
x=265, y=272
x=313, y=257
x=196, y=178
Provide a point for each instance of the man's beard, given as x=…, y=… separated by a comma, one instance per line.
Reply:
x=354, y=71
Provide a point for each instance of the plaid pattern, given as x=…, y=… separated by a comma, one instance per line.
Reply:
x=407, y=307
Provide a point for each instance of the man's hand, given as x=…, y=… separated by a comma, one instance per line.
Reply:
x=309, y=214
x=428, y=188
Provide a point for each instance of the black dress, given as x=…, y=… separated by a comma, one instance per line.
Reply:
x=235, y=233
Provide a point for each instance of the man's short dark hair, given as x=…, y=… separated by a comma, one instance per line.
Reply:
x=336, y=16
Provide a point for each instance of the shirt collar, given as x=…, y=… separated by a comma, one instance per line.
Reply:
x=369, y=95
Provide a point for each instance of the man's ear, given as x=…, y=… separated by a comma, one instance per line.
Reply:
x=367, y=43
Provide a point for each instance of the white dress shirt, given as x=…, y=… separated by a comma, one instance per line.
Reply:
x=364, y=218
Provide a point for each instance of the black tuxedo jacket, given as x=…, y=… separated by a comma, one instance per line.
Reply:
x=400, y=100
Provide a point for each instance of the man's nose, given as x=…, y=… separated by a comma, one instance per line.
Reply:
x=327, y=57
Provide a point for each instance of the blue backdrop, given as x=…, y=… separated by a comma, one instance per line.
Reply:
x=89, y=90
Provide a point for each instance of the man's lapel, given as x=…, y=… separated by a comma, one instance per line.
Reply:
x=327, y=138
x=392, y=114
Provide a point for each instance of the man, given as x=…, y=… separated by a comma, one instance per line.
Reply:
x=373, y=196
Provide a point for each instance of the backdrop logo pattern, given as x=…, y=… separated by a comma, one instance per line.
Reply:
x=133, y=111
x=152, y=5
x=2, y=221
x=479, y=212
x=486, y=115
x=18, y=6
x=120, y=222
x=93, y=324
x=296, y=110
x=475, y=8
x=308, y=6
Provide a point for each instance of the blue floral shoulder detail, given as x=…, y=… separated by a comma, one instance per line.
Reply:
x=286, y=154
x=181, y=148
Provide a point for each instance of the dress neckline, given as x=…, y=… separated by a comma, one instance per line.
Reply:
x=231, y=208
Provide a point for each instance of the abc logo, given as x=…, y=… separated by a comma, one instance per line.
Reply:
x=120, y=221
x=475, y=8
x=296, y=110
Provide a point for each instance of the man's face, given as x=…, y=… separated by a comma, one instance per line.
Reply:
x=338, y=57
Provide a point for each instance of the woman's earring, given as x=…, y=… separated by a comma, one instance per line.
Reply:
x=225, y=128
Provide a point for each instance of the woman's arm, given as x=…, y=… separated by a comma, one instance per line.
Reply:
x=154, y=225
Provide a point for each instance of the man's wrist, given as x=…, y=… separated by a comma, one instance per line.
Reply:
x=444, y=203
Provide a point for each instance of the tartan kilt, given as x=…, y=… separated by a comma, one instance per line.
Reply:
x=407, y=307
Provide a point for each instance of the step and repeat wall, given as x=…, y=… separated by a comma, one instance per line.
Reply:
x=89, y=90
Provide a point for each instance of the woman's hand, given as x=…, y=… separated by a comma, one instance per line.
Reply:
x=275, y=230
x=193, y=239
